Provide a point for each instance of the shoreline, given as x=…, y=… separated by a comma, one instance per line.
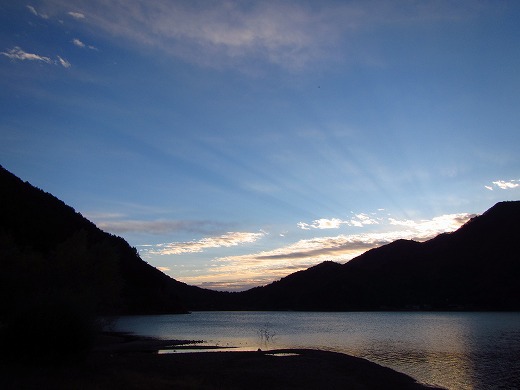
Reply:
x=125, y=361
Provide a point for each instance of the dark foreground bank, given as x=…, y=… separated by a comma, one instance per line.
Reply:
x=132, y=364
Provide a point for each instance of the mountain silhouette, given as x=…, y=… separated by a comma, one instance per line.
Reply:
x=50, y=251
x=476, y=267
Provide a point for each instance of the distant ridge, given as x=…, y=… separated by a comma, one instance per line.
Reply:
x=476, y=267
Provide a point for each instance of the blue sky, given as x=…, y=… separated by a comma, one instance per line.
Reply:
x=234, y=142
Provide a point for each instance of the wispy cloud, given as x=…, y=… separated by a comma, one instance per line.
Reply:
x=429, y=228
x=32, y=10
x=119, y=226
x=361, y=220
x=503, y=185
x=267, y=266
x=77, y=42
x=17, y=54
x=358, y=220
x=289, y=34
x=63, y=62
x=225, y=240
x=35, y=12
x=76, y=15
x=227, y=33
x=322, y=223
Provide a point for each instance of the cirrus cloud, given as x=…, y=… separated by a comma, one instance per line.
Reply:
x=120, y=226
x=76, y=15
x=288, y=34
x=77, y=42
x=18, y=54
x=225, y=240
x=63, y=62
x=36, y=13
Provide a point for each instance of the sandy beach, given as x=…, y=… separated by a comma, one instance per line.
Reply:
x=128, y=362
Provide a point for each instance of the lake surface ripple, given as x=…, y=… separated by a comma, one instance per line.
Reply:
x=453, y=350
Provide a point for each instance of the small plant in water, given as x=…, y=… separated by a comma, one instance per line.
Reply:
x=266, y=334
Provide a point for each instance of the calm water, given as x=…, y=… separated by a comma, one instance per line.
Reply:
x=453, y=350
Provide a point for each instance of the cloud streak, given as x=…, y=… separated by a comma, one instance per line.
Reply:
x=35, y=12
x=63, y=62
x=18, y=54
x=76, y=15
x=287, y=34
x=225, y=240
x=159, y=227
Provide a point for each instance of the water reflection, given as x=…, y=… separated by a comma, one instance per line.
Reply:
x=453, y=350
x=431, y=349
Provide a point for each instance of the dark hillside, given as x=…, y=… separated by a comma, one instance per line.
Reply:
x=51, y=252
x=474, y=268
x=302, y=290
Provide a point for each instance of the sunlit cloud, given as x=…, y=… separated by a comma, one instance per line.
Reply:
x=361, y=220
x=225, y=240
x=503, y=185
x=311, y=251
x=270, y=265
x=322, y=223
x=358, y=220
x=164, y=269
x=429, y=228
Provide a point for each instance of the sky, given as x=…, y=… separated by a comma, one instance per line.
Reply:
x=235, y=142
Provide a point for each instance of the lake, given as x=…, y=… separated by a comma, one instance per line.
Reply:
x=453, y=350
